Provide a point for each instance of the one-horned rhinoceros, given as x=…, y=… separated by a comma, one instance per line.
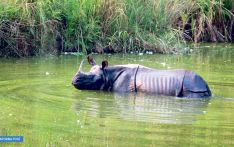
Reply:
x=137, y=78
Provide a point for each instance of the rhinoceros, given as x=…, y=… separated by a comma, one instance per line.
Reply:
x=138, y=78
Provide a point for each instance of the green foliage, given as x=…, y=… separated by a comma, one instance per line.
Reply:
x=83, y=23
x=29, y=27
x=211, y=20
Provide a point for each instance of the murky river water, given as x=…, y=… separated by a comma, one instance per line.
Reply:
x=37, y=101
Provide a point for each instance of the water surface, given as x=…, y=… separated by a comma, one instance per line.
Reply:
x=39, y=103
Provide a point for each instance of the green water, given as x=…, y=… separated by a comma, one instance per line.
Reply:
x=37, y=101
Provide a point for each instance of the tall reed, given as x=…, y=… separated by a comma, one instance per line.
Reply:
x=32, y=27
x=209, y=20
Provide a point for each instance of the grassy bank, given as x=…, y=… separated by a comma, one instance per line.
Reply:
x=34, y=27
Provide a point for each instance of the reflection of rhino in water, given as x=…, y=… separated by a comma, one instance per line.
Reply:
x=160, y=109
x=142, y=107
x=136, y=78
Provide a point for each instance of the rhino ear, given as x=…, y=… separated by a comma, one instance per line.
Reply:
x=104, y=64
x=91, y=60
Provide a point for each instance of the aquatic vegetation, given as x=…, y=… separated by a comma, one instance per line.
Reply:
x=34, y=27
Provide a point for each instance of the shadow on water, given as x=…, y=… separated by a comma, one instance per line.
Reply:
x=142, y=107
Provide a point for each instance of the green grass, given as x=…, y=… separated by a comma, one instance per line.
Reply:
x=30, y=27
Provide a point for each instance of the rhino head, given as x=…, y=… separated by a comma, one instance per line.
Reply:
x=92, y=80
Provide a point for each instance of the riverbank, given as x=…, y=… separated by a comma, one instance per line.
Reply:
x=37, y=27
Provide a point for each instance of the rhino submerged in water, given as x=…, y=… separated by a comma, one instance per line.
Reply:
x=137, y=78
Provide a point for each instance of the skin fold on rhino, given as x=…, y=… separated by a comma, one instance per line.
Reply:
x=137, y=78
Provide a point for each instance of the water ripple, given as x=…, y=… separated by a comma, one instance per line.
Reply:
x=144, y=108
